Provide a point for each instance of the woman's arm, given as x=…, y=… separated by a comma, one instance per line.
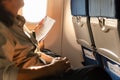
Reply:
x=55, y=68
x=46, y=57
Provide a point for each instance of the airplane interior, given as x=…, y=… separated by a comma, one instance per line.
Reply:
x=87, y=32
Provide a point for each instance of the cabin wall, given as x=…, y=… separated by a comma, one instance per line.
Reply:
x=53, y=39
x=61, y=39
x=70, y=47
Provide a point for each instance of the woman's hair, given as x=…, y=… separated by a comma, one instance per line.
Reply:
x=5, y=16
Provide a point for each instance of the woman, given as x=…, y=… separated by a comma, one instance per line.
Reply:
x=18, y=57
x=18, y=49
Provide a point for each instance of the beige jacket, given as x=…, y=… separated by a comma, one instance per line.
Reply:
x=7, y=68
x=16, y=51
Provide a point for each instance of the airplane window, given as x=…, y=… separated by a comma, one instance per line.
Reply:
x=34, y=10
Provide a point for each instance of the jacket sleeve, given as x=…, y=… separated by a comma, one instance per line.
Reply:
x=7, y=69
x=10, y=72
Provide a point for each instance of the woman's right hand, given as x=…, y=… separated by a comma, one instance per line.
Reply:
x=61, y=65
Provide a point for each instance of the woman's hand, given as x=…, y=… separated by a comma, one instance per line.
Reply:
x=41, y=23
x=61, y=65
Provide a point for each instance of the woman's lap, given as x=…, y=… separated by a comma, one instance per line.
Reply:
x=84, y=73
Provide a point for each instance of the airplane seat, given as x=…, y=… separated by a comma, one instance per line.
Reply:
x=105, y=25
x=107, y=40
x=79, y=19
x=83, y=38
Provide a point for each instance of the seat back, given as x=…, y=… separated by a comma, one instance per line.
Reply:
x=82, y=30
x=105, y=24
x=83, y=38
x=106, y=35
x=107, y=40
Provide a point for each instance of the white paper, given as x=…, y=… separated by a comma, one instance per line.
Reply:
x=114, y=68
x=47, y=25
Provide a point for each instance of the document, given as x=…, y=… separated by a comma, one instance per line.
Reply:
x=41, y=32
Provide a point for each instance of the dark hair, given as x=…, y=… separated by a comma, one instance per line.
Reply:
x=5, y=16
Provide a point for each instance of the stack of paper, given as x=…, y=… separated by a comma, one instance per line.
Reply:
x=41, y=32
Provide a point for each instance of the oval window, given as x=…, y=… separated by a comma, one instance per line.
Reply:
x=34, y=10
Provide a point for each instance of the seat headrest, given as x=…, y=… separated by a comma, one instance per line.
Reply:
x=104, y=8
x=78, y=7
